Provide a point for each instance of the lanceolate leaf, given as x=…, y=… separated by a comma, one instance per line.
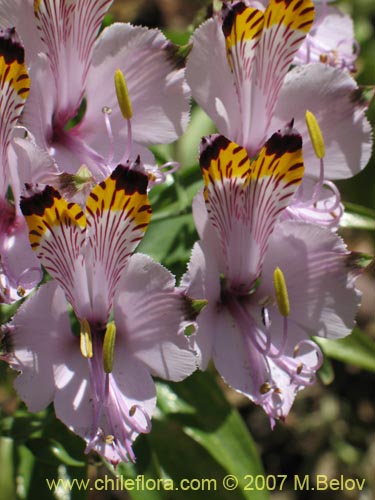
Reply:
x=356, y=349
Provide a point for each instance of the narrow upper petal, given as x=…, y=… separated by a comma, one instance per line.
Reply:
x=336, y=101
x=14, y=89
x=152, y=314
x=244, y=199
x=157, y=89
x=68, y=30
x=214, y=89
x=118, y=212
x=260, y=48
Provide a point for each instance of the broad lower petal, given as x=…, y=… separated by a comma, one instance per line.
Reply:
x=317, y=270
x=158, y=93
x=335, y=100
x=40, y=345
x=152, y=314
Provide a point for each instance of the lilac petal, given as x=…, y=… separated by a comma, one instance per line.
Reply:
x=40, y=345
x=151, y=314
x=244, y=199
x=214, y=88
x=118, y=213
x=18, y=13
x=201, y=281
x=131, y=389
x=40, y=105
x=14, y=89
x=330, y=41
x=334, y=98
x=19, y=262
x=28, y=163
x=68, y=31
x=266, y=375
x=235, y=357
x=316, y=266
x=157, y=91
x=285, y=28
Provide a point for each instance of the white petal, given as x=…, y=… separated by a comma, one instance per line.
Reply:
x=334, y=98
x=315, y=263
x=151, y=313
x=157, y=91
x=213, y=88
x=41, y=344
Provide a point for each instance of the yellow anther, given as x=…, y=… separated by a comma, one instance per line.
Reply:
x=281, y=292
x=109, y=347
x=264, y=388
x=315, y=135
x=123, y=95
x=109, y=439
x=86, y=339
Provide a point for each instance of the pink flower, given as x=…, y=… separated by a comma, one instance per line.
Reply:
x=19, y=269
x=249, y=92
x=73, y=72
x=130, y=316
x=270, y=284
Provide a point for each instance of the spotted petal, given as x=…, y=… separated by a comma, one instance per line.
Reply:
x=242, y=28
x=14, y=89
x=118, y=213
x=244, y=199
x=286, y=24
x=56, y=233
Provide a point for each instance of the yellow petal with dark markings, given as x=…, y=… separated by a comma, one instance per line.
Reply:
x=222, y=159
x=242, y=23
x=294, y=14
x=47, y=209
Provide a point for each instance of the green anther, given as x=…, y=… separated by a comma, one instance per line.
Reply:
x=315, y=135
x=198, y=305
x=123, y=95
x=82, y=176
x=109, y=347
x=281, y=292
x=85, y=339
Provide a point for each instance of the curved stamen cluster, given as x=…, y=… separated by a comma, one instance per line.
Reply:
x=113, y=421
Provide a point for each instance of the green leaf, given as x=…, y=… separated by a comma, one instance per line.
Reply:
x=51, y=451
x=357, y=221
x=326, y=372
x=197, y=439
x=356, y=349
x=199, y=408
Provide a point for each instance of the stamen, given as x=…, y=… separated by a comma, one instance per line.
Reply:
x=86, y=339
x=123, y=95
x=315, y=134
x=106, y=112
x=264, y=388
x=125, y=107
x=281, y=292
x=109, y=347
